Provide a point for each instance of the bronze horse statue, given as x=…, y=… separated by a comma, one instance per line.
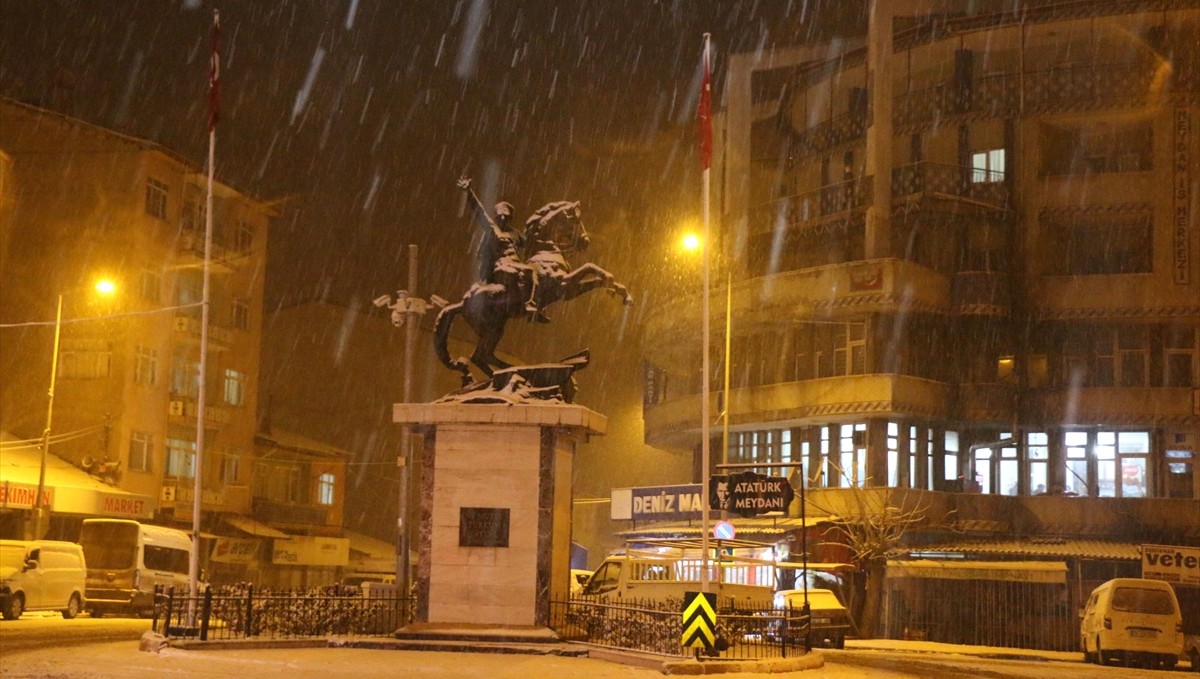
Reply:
x=488, y=306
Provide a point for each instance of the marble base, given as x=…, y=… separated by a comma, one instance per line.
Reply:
x=482, y=466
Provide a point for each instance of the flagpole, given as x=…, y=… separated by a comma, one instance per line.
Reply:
x=198, y=468
x=705, y=115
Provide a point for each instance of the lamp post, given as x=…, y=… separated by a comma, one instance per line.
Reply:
x=698, y=243
x=104, y=287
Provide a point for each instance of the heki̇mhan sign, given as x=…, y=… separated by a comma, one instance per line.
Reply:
x=750, y=494
x=1176, y=565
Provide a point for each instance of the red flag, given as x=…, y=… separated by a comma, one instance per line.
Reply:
x=214, y=75
x=704, y=116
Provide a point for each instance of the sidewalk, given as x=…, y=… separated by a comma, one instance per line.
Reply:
x=960, y=649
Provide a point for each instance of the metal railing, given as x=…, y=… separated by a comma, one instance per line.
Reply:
x=743, y=633
x=243, y=612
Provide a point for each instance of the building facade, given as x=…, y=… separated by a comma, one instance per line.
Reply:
x=965, y=263
x=81, y=203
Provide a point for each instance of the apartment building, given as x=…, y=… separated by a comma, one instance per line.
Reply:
x=81, y=203
x=965, y=268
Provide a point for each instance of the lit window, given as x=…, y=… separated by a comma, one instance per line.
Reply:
x=987, y=167
x=181, y=458
x=235, y=387
x=156, y=198
x=141, y=450
x=325, y=489
x=146, y=368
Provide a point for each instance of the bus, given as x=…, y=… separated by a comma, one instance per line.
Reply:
x=127, y=559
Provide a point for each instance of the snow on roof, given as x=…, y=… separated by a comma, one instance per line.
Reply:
x=1038, y=547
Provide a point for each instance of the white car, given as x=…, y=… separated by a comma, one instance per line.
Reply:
x=41, y=575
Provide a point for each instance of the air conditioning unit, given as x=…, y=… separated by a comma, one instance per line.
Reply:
x=168, y=494
x=176, y=408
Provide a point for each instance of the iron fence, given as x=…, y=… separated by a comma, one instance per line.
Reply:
x=242, y=612
x=745, y=632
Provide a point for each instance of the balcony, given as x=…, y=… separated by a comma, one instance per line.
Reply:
x=950, y=181
x=278, y=512
x=1149, y=406
x=191, y=252
x=838, y=130
x=676, y=423
x=814, y=210
x=833, y=291
x=985, y=402
x=182, y=410
x=981, y=293
x=186, y=330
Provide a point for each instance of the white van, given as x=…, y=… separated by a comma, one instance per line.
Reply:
x=1133, y=621
x=41, y=575
x=126, y=559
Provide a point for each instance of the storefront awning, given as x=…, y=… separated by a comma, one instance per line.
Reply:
x=67, y=489
x=765, y=527
x=255, y=528
x=1045, y=572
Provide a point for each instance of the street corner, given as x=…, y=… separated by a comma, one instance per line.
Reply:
x=810, y=661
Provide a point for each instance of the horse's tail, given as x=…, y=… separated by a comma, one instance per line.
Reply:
x=441, y=338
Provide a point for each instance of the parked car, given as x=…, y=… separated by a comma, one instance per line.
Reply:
x=41, y=575
x=830, y=619
x=1133, y=621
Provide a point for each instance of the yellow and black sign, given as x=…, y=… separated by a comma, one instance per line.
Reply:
x=699, y=620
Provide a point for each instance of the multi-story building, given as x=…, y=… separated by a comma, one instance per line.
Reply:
x=966, y=263
x=83, y=202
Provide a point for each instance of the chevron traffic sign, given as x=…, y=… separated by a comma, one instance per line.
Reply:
x=699, y=620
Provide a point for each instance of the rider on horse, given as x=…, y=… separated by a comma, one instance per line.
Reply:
x=499, y=253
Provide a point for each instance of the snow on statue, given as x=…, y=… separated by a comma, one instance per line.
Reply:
x=519, y=276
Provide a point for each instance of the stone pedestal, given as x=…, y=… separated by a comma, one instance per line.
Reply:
x=495, y=524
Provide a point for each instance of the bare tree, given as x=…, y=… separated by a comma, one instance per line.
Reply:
x=872, y=522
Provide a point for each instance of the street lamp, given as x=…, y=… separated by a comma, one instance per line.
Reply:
x=103, y=287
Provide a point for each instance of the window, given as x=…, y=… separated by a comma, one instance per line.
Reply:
x=1078, y=461
x=1097, y=148
x=156, y=198
x=146, y=368
x=1038, y=451
x=893, y=454
x=243, y=240
x=852, y=457
x=951, y=457
x=84, y=359
x=181, y=458
x=241, y=313
x=1100, y=244
x=987, y=167
x=189, y=218
x=1133, y=357
x=325, y=489
x=231, y=467
x=185, y=378
x=151, y=285
x=1181, y=470
x=1179, y=360
x=235, y=387
x=141, y=450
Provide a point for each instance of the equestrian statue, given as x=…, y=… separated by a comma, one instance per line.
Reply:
x=519, y=276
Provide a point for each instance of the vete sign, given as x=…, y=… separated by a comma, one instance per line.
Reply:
x=749, y=494
x=1177, y=565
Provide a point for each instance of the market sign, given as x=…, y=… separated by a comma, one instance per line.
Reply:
x=1173, y=564
x=750, y=494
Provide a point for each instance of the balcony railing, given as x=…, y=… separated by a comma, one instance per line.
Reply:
x=986, y=186
x=808, y=209
x=276, y=511
x=824, y=135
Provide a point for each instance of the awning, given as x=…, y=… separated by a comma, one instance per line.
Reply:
x=67, y=490
x=1059, y=548
x=768, y=527
x=371, y=555
x=1045, y=572
x=255, y=528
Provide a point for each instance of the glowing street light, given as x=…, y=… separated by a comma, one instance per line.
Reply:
x=104, y=287
x=692, y=242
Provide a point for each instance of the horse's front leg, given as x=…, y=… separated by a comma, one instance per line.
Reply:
x=588, y=277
